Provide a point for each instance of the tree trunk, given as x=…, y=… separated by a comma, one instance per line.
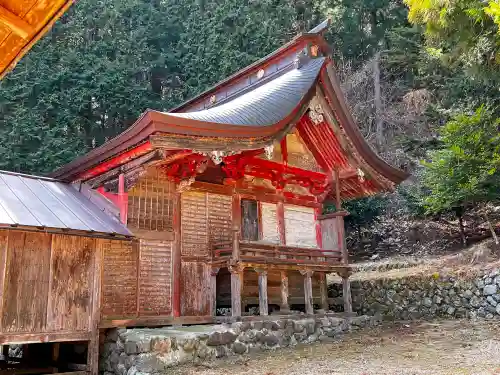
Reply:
x=492, y=230
x=379, y=124
x=459, y=212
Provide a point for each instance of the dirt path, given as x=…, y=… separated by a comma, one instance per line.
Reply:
x=448, y=347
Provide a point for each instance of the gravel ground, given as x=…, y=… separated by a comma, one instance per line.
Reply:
x=446, y=347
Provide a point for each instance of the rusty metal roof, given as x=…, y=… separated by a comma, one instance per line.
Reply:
x=264, y=104
x=46, y=203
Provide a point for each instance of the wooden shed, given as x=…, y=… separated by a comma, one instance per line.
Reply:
x=53, y=238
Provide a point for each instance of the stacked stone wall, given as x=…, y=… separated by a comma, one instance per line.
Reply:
x=426, y=296
x=146, y=351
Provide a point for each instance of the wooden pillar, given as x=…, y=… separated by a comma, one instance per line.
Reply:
x=176, y=256
x=122, y=199
x=95, y=315
x=340, y=220
x=236, y=224
x=263, y=304
x=323, y=291
x=236, y=284
x=346, y=292
x=213, y=291
x=55, y=356
x=319, y=236
x=285, y=307
x=280, y=219
x=308, y=295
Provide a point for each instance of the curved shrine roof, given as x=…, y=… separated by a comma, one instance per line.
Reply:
x=266, y=104
x=254, y=108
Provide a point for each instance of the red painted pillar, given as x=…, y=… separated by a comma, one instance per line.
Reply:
x=122, y=198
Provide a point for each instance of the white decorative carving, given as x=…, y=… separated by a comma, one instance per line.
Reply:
x=269, y=150
x=217, y=156
x=361, y=175
x=316, y=113
x=184, y=185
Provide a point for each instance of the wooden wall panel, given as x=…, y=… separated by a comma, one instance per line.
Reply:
x=219, y=218
x=27, y=282
x=251, y=286
x=150, y=203
x=300, y=226
x=296, y=287
x=155, y=277
x=269, y=223
x=194, y=224
x=69, y=303
x=329, y=233
x=195, y=296
x=119, y=280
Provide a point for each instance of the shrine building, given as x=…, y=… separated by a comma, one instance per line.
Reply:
x=226, y=193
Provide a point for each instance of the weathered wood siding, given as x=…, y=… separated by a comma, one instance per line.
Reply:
x=26, y=282
x=195, y=295
x=219, y=218
x=205, y=219
x=119, y=280
x=46, y=282
x=300, y=226
x=72, y=270
x=155, y=275
x=194, y=224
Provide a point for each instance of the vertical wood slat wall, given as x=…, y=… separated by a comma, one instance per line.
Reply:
x=205, y=219
x=150, y=203
x=46, y=282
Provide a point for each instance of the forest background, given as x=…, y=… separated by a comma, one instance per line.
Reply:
x=422, y=79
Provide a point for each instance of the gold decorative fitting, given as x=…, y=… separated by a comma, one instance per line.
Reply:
x=314, y=50
x=260, y=73
x=213, y=99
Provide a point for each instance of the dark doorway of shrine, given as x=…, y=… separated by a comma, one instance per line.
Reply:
x=249, y=220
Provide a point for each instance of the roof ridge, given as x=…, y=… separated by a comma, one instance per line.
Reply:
x=32, y=176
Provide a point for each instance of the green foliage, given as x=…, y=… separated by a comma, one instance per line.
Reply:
x=467, y=169
x=464, y=32
x=363, y=212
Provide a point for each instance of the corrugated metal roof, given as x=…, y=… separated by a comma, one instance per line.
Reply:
x=265, y=105
x=46, y=203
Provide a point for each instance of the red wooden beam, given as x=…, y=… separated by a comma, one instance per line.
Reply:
x=116, y=161
x=122, y=199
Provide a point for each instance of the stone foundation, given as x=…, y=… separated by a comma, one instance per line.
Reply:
x=426, y=296
x=143, y=351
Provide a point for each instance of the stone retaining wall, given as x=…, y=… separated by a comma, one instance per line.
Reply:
x=142, y=351
x=426, y=296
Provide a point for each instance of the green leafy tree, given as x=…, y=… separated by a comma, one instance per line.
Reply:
x=465, y=32
x=466, y=171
